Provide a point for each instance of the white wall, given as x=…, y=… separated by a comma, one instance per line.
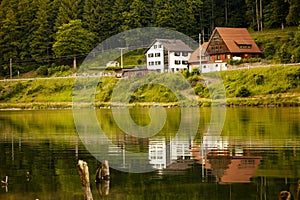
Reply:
x=156, y=62
x=181, y=66
x=212, y=67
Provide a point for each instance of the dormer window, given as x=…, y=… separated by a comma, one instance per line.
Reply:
x=244, y=46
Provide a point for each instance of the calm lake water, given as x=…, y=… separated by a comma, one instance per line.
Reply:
x=256, y=156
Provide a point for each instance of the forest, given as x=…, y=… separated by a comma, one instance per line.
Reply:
x=50, y=33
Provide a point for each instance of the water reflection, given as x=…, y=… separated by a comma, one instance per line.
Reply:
x=39, y=152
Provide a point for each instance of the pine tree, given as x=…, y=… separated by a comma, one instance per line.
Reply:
x=275, y=14
x=25, y=14
x=69, y=10
x=8, y=33
x=165, y=14
x=42, y=37
x=97, y=18
x=294, y=12
x=136, y=17
x=117, y=17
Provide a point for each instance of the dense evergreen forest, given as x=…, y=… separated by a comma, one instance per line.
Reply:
x=50, y=33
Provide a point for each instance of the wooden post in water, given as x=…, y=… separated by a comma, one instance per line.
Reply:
x=103, y=179
x=285, y=195
x=298, y=191
x=83, y=171
x=103, y=171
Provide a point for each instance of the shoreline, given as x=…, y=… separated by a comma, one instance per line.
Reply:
x=264, y=102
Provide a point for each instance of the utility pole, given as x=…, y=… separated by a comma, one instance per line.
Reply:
x=10, y=67
x=122, y=57
x=74, y=63
x=200, y=52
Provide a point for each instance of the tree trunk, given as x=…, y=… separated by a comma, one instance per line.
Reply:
x=257, y=15
x=261, y=15
x=226, y=13
x=83, y=171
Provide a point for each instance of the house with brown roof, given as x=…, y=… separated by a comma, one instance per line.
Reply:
x=207, y=65
x=231, y=43
x=194, y=60
x=168, y=55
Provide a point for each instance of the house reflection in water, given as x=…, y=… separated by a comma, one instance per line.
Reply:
x=227, y=165
x=173, y=155
x=232, y=169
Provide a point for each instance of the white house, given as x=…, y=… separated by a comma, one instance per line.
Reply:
x=112, y=64
x=166, y=55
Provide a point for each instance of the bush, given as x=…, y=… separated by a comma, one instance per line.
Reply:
x=243, y=92
x=42, y=70
x=259, y=79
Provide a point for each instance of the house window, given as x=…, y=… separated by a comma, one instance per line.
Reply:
x=185, y=54
x=184, y=62
x=218, y=57
x=244, y=46
x=177, y=53
x=151, y=63
x=157, y=62
x=155, y=46
x=157, y=54
x=150, y=55
x=159, y=46
x=177, y=62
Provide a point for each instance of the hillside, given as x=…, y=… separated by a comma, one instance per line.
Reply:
x=51, y=33
x=261, y=86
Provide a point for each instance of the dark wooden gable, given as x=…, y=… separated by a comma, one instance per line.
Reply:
x=217, y=45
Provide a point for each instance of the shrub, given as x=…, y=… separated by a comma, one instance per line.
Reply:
x=243, y=92
x=259, y=79
x=42, y=70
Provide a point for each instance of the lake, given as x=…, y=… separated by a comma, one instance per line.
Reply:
x=249, y=153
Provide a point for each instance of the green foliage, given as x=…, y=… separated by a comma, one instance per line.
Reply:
x=34, y=32
x=72, y=39
x=42, y=70
x=259, y=79
x=241, y=61
x=280, y=46
x=243, y=92
x=58, y=70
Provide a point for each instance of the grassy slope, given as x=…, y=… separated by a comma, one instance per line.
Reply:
x=276, y=87
x=273, y=85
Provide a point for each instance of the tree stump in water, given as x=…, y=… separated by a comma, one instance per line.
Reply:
x=103, y=179
x=103, y=172
x=285, y=195
x=83, y=171
x=298, y=191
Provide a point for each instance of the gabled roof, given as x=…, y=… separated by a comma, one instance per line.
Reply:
x=171, y=45
x=194, y=58
x=233, y=37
